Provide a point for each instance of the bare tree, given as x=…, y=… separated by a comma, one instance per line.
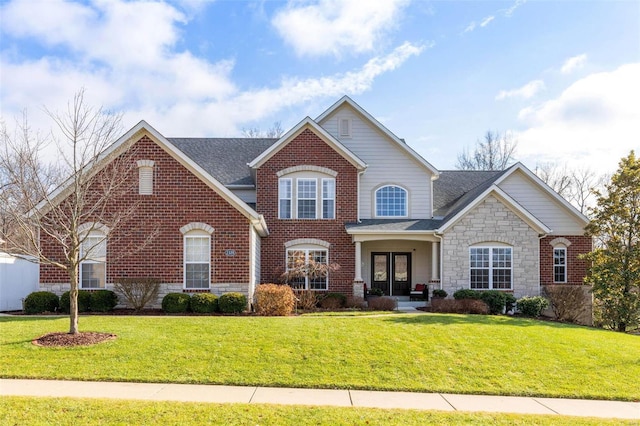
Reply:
x=495, y=152
x=56, y=227
x=275, y=131
x=584, y=182
x=557, y=177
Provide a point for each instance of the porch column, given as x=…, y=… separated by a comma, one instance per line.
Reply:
x=358, y=269
x=435, y=253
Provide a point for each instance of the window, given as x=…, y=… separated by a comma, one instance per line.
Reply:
x=145, y=177
x=328, y=198
x=560, y=265
x=490, y=267
x=391, y=201
x=284, y=194
x=344, y=125
x=306, y=198
x=301, y=264
x=93, y=267
x=197, y=259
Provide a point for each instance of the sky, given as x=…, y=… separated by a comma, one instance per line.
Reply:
x=562, y=77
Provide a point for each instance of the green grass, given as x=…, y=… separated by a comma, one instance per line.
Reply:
x=66, y=411
x=431, y=353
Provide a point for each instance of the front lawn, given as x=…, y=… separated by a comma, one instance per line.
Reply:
x=429, y=353
x=66, y=411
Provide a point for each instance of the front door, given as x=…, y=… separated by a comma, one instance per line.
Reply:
x=391, y=272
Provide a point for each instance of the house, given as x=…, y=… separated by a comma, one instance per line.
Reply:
x=342, y=188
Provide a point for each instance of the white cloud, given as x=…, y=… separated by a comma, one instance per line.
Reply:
x=508, y=12
x=527, y=91
x=486, y=21
x=337, y=27
x=593, y=123
x=470, y=27
x=573, y=63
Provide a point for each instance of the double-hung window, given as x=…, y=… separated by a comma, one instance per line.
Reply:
x=307, y=194
x=93, y=265
x=284, y=194
x=197, y=260
x=490, y=268
x=391, y=201
x=306, y=198
x=328, y=198
x=560, y=265
x=308, y=268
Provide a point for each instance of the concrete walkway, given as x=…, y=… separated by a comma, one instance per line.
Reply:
x=339, y=398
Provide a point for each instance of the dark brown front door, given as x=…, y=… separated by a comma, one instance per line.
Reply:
x=391, y=272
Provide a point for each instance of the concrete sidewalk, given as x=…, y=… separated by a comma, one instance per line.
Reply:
x=340, y=398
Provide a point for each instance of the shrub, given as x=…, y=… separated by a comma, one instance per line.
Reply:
x=438, y=292
x=355, y=302
x=567, y=301
x=232, y=303
x=467, y=294
x=510, y=302
x=383, y=303
x=41, y=301
x=375, y=291
x=204, y=303
x=532, y=306
x=103, y=300
x=306, y=300
x=176, y=303
x=273, y=300
x=84, y=300
x=333, y=301
x=495, y=299
x=138, y=291
x=460, y=306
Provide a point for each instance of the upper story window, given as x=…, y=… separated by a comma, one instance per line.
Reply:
x=344, y=127
x=306, y=192
x=560, y=265
x=391, y=201
x=145, y=177
x=93, y=266
x=490, y=268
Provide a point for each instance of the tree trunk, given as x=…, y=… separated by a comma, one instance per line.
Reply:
x=73, y=301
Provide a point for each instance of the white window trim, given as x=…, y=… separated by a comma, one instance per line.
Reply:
x=290, y=198
x=565, y=266
x=319, y=197
x=192, y=234
x=96, y=232
x=375, y=201
x=323, y=199
x=306, y=250
x=491, y=267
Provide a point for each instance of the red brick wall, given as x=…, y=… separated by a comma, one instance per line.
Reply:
x=576, y=268
x=178, y=198
x=308, y=149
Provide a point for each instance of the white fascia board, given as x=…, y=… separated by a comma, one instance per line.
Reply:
x=404, y=146
x=510, y=203
x=298, y=128
x=536, y=180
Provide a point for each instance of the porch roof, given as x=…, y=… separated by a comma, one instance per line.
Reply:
x=369, y=226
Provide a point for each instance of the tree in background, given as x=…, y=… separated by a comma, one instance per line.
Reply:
x=615, y=263
x=576, y=186
x=495, y=152
x=274, y=131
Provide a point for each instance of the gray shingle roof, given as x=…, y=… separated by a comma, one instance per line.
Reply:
x=224, y=158
x=395, y=225
x=454, y=189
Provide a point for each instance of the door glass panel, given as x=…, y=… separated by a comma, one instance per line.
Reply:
x=380, y=267
x=400, y=268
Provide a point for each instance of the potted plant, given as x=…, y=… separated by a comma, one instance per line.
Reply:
x=375, y=292
x=439, y=293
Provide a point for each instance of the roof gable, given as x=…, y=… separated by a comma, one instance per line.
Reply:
x=396, y=141
x=308, y=123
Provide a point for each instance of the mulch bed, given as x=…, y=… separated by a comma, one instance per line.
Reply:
x=84, y=338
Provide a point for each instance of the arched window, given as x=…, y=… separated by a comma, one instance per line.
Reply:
x=197, y=255
x=391, y=201
x=308, y=264
x=93, y=256
x=145, y=177
x=560, y=264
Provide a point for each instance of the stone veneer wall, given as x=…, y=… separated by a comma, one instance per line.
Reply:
x=491, y=222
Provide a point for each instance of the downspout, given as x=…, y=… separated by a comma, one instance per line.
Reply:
x=360, y=173
x=540, y=237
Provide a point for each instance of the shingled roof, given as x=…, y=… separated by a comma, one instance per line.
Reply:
x=224, y=158
x=454, y=189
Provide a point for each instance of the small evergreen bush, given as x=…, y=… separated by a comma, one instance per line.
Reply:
x=438, y=292
x=495, y=299
x=102, y=300
x=204, y=303
x=274, y=300
x=532, y=306
x=84, y=300
x=383, y=303
x=510, y=302
x=232, y=303
x=466, y=294
x=333, y=301
x=176, y=303
x=41, y=301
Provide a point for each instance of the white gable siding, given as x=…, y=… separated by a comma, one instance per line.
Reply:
x=541, y=204
x=387, y=164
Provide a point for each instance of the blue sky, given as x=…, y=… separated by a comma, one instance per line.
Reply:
x=562, y=76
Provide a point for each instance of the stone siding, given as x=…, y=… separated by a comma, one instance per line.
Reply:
x=492, y=222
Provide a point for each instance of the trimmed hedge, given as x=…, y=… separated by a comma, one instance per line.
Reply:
x=460, y=306
x=41, y=301
x=532, y=306
x=84, y=301
x=103, y=301
x=204, y=303
x=232, y=303
x=496, y=300
x=274, y=300
x=176, y=303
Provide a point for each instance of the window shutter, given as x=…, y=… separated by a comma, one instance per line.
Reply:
x=145, y=177
x=345, y=127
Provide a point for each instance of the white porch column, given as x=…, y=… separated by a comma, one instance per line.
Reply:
x=358, y=269
x=435, y=254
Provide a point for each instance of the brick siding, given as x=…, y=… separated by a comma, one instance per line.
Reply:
x=576, y=268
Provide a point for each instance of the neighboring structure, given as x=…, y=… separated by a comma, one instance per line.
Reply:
x=339, y=189
x=18, y=278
